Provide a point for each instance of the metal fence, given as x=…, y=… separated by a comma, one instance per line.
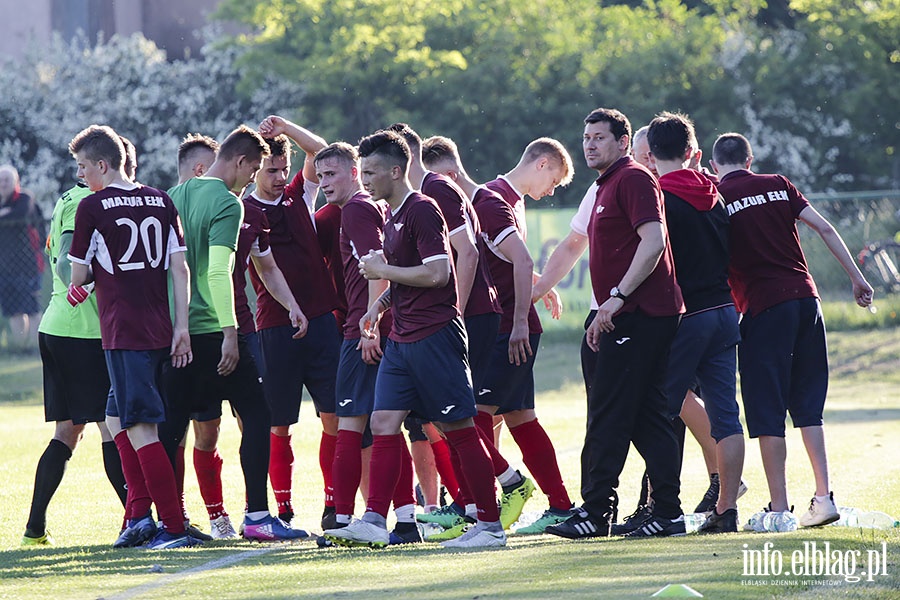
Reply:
x=868, y=221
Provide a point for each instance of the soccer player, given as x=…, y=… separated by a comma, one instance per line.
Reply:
x=223, y=366
x=126, y=237
x=76, y=382
x=290, y=363
x=361, y=232
x=481, y=314
x=510, y=377
x=424, y=367
x=782, y=356
x=631, y=264
x=705, y=346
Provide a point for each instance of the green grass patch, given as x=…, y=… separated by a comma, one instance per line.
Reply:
x=863, y=429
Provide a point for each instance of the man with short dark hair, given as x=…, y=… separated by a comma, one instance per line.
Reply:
x=631, y=265
x=782, y=356
x=704, y=351
x=424, y=367
x=291, y=362
x=223, y=366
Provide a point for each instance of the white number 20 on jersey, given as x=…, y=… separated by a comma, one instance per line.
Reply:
x=150, y=234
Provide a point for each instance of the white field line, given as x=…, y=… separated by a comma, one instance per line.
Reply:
x=165, y=580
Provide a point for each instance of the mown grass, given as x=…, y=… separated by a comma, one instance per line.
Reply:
x=863, y=420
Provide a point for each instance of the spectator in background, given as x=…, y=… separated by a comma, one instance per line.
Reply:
x=21, y=260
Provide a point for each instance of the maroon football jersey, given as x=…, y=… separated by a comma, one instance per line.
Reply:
x=126, y=236
x=328, y=230
x=362, y=230
x=767, y=263
x=252, y=239
x=415, y=234
x=460, y=216
x=295, y=246
x=498, y=222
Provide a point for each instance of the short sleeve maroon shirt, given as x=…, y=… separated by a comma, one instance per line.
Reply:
x=628, y=196
x=362, y=231
x=767, y=266
x=461, y=217
x=415, y=234
x=295, y=246
x=328, y=230
x=498, y=222
x=252, y=239
x=127, y=236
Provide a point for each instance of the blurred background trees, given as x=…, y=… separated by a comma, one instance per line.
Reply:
x=812, y=83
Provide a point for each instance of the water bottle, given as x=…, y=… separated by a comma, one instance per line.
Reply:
x=849, y=517
x=877, y=520
x=756, y=522
x=694, y=521
x=780, y=521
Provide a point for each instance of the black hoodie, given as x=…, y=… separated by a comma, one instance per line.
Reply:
x=698, y=231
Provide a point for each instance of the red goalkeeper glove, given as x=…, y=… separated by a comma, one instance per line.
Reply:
x=79, y=293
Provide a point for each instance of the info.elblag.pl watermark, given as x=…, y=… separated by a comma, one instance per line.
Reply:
x=816, y=563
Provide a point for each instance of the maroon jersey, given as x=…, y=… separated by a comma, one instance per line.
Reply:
x=498, y=222
x=460, y=217
x=416, y=234
x=767, y=263
x=252, y=239
x=126, y=236
x=328, y=230
x=628, y=196
x=295, y=246
x=516, y=200
x=362, y=230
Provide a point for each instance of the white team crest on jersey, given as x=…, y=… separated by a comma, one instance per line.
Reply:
x=600, y=209
x=398, y=226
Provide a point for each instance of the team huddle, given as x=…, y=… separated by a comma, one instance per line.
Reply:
x=408, y=300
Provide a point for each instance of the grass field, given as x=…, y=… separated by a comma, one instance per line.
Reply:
x=863, y=418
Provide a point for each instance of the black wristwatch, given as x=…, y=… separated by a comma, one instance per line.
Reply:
x=616, y=293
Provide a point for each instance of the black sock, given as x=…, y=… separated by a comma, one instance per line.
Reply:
x=112, y=462
x=50, y=470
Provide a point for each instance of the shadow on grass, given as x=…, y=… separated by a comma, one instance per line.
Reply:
x=860, y=415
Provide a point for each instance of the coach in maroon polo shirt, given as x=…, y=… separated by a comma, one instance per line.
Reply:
x=632, y=269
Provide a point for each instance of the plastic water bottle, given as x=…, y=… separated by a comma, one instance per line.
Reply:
x=756, y=522
x=877, y=520
x=780, y=521
x=849, y=517
x=694, y=521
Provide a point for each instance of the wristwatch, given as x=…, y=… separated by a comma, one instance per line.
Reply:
x=616, y=293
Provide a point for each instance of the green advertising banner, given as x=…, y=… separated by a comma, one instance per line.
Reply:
x=545, y=230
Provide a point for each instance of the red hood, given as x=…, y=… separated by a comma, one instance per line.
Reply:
x=693, y=187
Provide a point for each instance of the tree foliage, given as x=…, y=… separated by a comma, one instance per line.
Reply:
x=57, y=90
x=812, y=83
x=801, y=78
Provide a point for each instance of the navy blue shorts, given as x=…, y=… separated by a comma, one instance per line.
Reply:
x=289, y=365
x=355, y=387
x=203, y=389
x=76, y=381
x=430, y=378
x=136, y=392
x=507, y=386
x=482, y=332
x=783, y=362
x=705, y=351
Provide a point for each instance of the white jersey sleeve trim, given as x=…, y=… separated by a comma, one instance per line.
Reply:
x=579, y=223
x=434, y=258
